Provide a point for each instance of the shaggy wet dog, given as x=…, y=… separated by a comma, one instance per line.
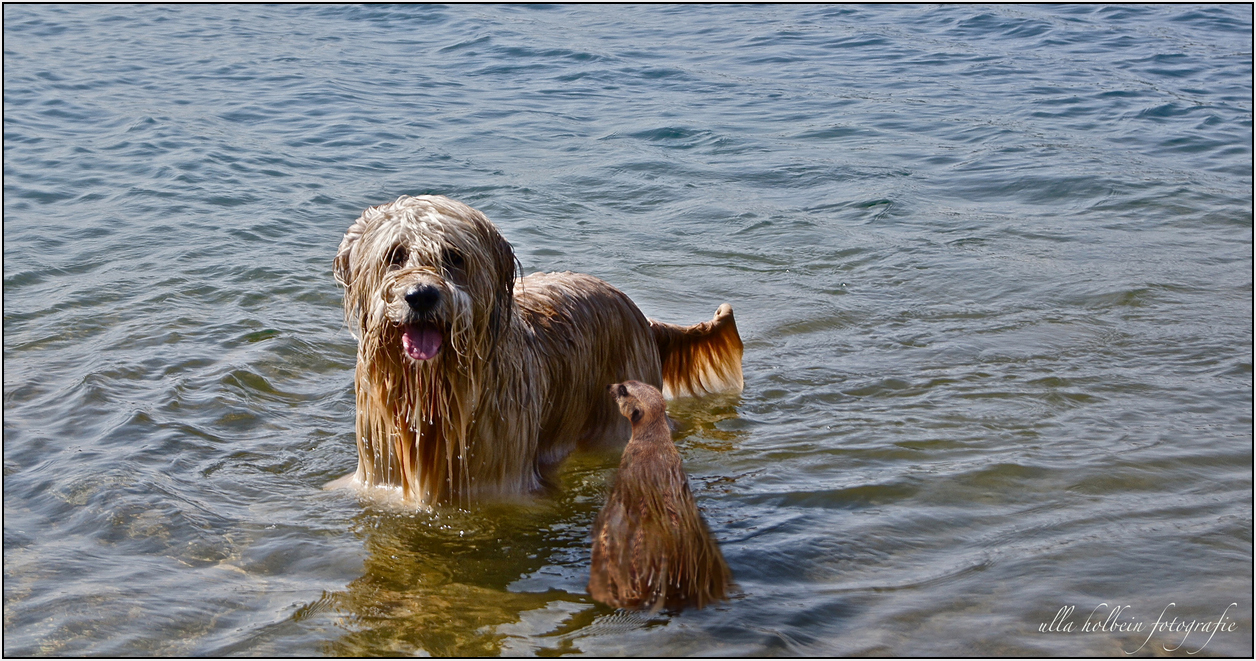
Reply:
x=473, y=383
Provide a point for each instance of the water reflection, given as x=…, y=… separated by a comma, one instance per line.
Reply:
x=708, y=424
x=501, y=578
x=438, y=582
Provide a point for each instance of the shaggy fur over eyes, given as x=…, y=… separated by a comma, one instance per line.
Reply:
x=473, y=383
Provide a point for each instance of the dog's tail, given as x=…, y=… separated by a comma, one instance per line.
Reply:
x=700, y=359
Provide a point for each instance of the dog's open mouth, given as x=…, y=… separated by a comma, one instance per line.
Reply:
x=421, y=341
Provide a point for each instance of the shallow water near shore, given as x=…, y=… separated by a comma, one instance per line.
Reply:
x=992, y=267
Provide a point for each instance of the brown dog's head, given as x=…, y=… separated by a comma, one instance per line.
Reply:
x=639, y=402
x=425, y=276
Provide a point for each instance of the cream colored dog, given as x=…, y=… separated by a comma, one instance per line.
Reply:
x=472, y=383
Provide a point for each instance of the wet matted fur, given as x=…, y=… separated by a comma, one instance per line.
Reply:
x=473, y=383
x=651, y=546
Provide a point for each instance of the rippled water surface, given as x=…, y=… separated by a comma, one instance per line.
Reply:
x=992, y=266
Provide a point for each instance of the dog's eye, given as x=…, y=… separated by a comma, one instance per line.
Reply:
x=397, y=258
x=453, y=258
x=623, y=392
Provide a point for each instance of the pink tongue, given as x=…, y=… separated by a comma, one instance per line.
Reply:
x=421, y=341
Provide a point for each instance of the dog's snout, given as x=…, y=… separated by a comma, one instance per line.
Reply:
x=422, y=298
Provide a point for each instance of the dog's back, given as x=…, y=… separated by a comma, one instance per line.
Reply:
x=578, y=317
x=594, y=335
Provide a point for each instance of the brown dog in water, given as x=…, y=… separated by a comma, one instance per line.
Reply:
x=651, y=547
x=474, y=384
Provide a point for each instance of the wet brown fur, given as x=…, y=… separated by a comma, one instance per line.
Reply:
x=696, y=357
x=651, y=546
x=518, y=382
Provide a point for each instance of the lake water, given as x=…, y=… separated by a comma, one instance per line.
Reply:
x=992, y=266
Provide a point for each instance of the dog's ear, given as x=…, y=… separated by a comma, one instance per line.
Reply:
x=342, y=264
x=507, y=268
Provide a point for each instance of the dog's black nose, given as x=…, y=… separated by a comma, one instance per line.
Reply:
x=422, y=298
